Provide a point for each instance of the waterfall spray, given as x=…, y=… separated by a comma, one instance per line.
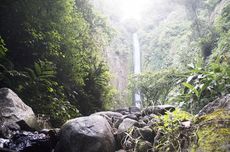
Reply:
x=137, y=67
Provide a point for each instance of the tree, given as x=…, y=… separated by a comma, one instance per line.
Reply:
x=65, y=36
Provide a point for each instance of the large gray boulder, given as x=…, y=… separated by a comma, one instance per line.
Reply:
x=220, y=103
x=86, y=134
x=114, y=118
x=13, y=109
x=109, y=114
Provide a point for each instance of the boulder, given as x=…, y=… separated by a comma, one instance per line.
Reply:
x=220, y=103
x=134, y=109
x=122, y=133
x=213, y=133
x=131, y=116
x=13, y=109
x=113, y=118
x=30, y=142
x=109, y=114
x=157, y=110
x=123, y=111
x=126, y=124
x=8, y=129
x=213, y=120
x=145, y=133
x=86, y=134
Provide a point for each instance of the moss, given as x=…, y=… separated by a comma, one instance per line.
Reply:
x=218, y=114
x=213, y=132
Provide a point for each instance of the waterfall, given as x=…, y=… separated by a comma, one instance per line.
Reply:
x=137, y=67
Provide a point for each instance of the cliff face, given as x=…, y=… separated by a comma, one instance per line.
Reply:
x=118, y=56
x=119, y=53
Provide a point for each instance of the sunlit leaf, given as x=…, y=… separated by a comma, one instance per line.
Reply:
x=191, y=87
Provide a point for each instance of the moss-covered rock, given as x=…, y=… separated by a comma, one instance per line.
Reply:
x=213, y=132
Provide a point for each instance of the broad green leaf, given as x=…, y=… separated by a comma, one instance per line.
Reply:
x=191, y=87
x=37, y=69
x=50, y=89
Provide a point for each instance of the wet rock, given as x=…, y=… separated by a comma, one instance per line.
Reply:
x=111, y=117
x=142, y=124
x=109, y=114
x=134, y=109
x=121, y=133
x=30, y=142
x=126, y=124
x=220, y=103
x=7, y=130
x=86, y=134
x=24, y=126
x=131, y=116
x=3, y=142
x=145, y=133
x=157, y=110
x=123, y=111
x=54, y=131
x=117, y=123
x=13, y=109
x=4, y=131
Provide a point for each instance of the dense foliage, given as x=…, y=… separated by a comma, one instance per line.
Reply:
x=155, y=86
x=174, y=136
x=183, y=31
x=198, y=49
x=53, y=59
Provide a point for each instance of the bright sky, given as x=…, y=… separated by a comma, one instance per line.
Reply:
x=132, y=9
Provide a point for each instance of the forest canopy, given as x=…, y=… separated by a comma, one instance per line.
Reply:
x=115, y=75
x=51, y=56
x=59, y=55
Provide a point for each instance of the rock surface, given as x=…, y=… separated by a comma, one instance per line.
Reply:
x=125, y=130
x=13, y=109
x=157, y=110
x=86, y=134
x=220, y=103
x=214, y=132
x=213, y=122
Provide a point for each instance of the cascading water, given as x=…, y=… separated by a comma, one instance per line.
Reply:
x=137, y=67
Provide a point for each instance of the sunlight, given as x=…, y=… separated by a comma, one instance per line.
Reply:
x=132, y=9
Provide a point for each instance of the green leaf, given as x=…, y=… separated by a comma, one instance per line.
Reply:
x=50, y=89
x=204, y=86
x=191, y=87
x=37, y=69
x=31, y=73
